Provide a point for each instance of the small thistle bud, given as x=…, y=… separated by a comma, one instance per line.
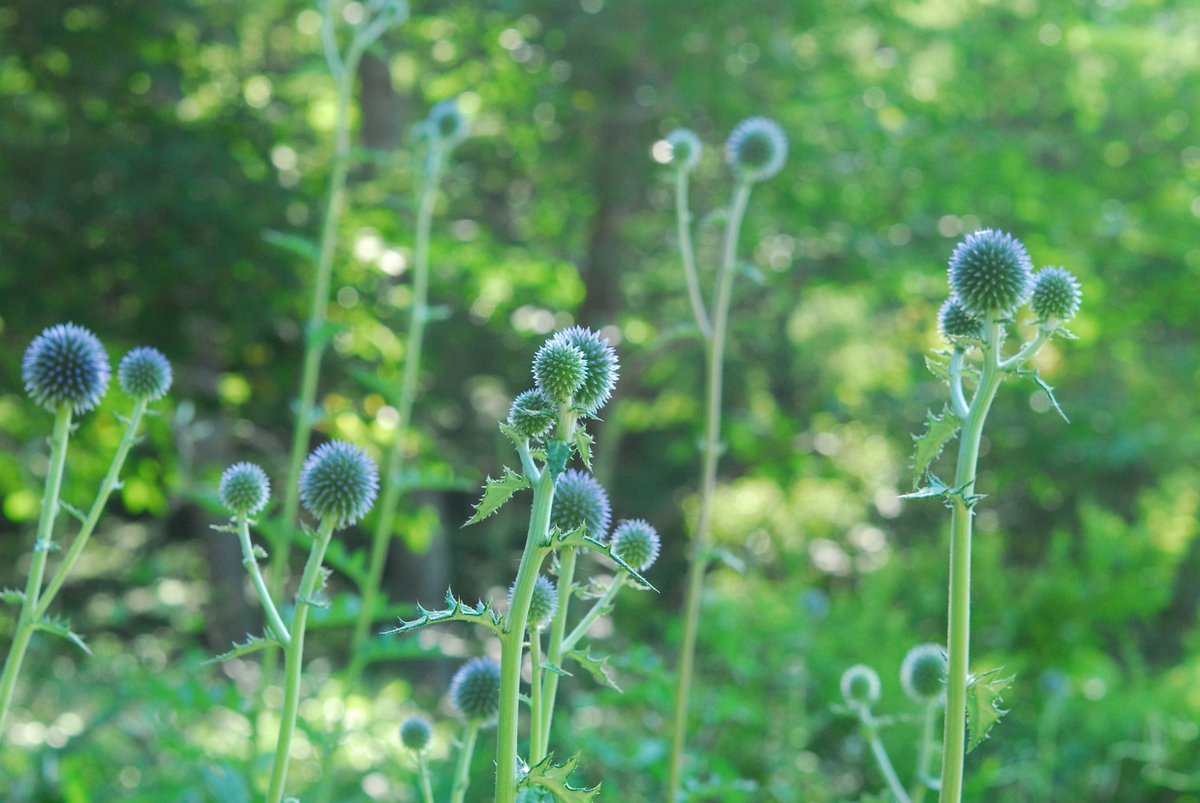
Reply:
x=447, y=122
x=559, y=369
x=532, y=414
x=602, y=367
x=66, y=364
x=580, y=501
x=1056, y=294
x=637, y=543
x=757, y=149
x=686, y=149
x=244, y=489
x=416, y=733
x=923, y=673
x=475, y=690
x=339, y=481
x=990, y=273
x=544, y=602
x=145, y=373
x=860, y=686
x=955, y=322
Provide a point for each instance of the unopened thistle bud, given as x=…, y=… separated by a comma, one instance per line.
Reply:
x=475, y=690
x=244, y=489
x=686, y=149
x=447, y=122
x=923, y=673
x=416, y=733
x=544, y=602
x=559, y=369
x=757, y=149
x=955, y=322
x=580, y=501
x=532, y=414
x=990, y=273
x=637, y=543
x=145, y=373
x=600, y=361
x=860, y=686
x=1056, y=294
x=66, y=364
x=339, y=481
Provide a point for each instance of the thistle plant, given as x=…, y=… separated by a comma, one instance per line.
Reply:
x=416, y=734
x=575, y=372
x=66, y=371
x=991, y=279
x=755, y=151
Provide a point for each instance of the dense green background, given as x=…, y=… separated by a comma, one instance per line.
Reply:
x=147, y=149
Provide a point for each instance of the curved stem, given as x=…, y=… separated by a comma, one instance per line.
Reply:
x=708, y=484
x=881, y=758
x=957, y=399
x=264, y=596
x=926, y=751
x=27, y=619
x=462, y=772
x=683, y=219
x=426, y=783
x=602, y=606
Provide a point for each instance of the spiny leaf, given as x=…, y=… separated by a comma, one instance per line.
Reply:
x=12, y=596
x=557, y=455
x=62, y=628
x=983, y=704
x=549, y=775
x=583, y=445
x=939, y=366
x=555, y=669
x=251, y=645
x=933, y=490
x=1049, y=391
x=597, y=666
x=576, y=539
x=939, y=430
x=496, y=493
x=482, y=613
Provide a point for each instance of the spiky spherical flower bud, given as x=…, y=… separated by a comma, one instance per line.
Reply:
x=990, y=273
x=544, y=602
x=447, y=122
x=66, y=364
x=637, y=543
x=339, y=481
x=580, y=501
x=923, y=673
x=955, y=322
x=603, y=368
x=145, y=373
x=532, y=414
x=860, y=686
x=1056, y=294
x=686, y=149
x=416, y=733
x=559, y=369
x=475, y=690
x=244, y=489
x=757, y=149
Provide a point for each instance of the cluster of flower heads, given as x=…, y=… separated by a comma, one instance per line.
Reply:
x=576, y=367
x=922, y=676
x=756, y=149
x=991, y=277
x=67, y=365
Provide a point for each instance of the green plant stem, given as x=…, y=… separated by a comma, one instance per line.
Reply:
x=264, y=596
x=925, y=752
x=390, y=501
x=602, y=606
x=884, y=763
x=462, y=772
x=536, y=736
x=708, y=484
x=27, y=619
x=683, y=220
x=554, y=652
x=426, y=784
x=294, y=659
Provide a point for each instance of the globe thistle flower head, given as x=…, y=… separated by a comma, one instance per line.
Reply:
x=580, y=501
x=954, y=322
x=686, y=149
x=923, y=673
x=637, y=543
x=559, y=370
x=757, y=149
x=1056, y=294
x=145, y=373
x=860, y=686
x=66, y=364
x=339, y=481
x=532, y=414
x=447, y=122
x=416, y=733
x=603, y=368
x=990, y=273
x=544, y=602
x=244, y=489
x=475, y=690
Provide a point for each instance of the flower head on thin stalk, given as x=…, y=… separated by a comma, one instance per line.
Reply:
x=757, y=149
x=601, y=364
x=475, y=690
x=66, y=364
x=860, y=686
x=581, y=501
x=544, y=602
x=686, y=149
x=955, y=323
x=532, y=414
x=1056, y=294
x=559, y=369
x=990, y=273
x=637, y=543
x=923, y=673
x=244, y=489
x=416, y=733
x=340, y=481
x=447, y=122
x=145, y=373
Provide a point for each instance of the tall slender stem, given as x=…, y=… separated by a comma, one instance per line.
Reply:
x=264, y=596
x=683, y=220
x=708, y=483
x=537, y=736
x=426, y=783
x=925, y=753
x=462, y=772
x=554, y=652
x=27, y=619
x=884, y=763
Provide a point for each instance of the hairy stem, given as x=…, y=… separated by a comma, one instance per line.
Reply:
x=462, y=772
x=264, y=596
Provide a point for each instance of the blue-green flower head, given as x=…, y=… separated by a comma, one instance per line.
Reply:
x=601, y=363
x=860, y=686
x=339, y=481
x=923, y=673
x=757, y=149
x=686, y=149
x=416, y=733
x=475, y=691
x=244, y=489
x=532, y=414
x=1056, y=294
x=66, y=364
x=559, y=370
x=145, y=373
x=447, y=122
x=954, y=322
x=991, y=274
x=637, y=543
x=543, y=604
x=580, y=501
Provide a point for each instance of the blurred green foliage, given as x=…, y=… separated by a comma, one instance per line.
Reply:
x=149, y=152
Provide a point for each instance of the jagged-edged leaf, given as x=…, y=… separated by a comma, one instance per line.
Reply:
x=557, y=455
x=555, y=669
x=583, y=445
x=577, y=540
x=1049, y=391
x=482, y=613
x=933, y=489
x=939, y=365
x=496, y=493
x=300, y=246
x=554, y=777
x=251, y=645
x=983, y=705
x=597, y=666
x=12, y=596
x=939, y=430
x=62, y=629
